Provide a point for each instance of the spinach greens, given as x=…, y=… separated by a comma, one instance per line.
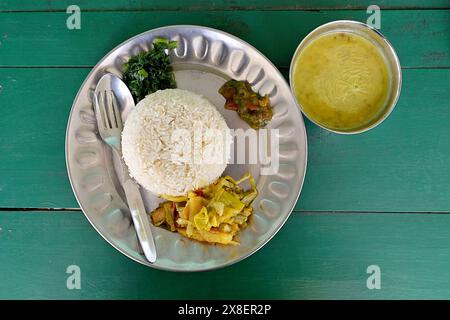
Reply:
x=150, y=71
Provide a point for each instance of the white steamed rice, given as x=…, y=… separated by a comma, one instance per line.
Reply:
x=169, y=145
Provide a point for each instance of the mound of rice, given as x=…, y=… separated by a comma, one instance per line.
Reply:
x=171, y=145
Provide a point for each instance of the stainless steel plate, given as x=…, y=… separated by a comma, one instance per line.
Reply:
x=204, y=60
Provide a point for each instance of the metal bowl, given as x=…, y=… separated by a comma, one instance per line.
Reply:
x=387, y=51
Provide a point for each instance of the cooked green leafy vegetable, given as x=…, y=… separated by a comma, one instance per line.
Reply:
x=150, y=71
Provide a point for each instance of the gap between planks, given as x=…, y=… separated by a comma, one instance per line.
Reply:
x=282, y=68
x=5, y=209
x=304, y=212
x=230, y=8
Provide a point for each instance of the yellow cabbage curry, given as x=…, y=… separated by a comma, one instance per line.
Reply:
x=341, y=80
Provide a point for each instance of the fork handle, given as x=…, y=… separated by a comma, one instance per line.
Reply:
x=140, y=219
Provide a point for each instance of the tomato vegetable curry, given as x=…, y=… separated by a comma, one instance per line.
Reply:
x=250, y=106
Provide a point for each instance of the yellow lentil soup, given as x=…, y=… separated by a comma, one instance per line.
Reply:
x=341, y=81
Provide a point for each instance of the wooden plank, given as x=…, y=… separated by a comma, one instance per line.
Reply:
x=421, y=37
x=401, y=165
x=35, y=108
x=324, y=256
x=191, y=5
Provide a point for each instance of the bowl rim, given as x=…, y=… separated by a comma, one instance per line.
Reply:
x=396, y=68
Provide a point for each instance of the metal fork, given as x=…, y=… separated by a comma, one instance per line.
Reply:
x=110, y=127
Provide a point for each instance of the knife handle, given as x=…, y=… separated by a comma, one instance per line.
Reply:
x=140, y=219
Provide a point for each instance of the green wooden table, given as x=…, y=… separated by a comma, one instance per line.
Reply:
x=380, y=198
